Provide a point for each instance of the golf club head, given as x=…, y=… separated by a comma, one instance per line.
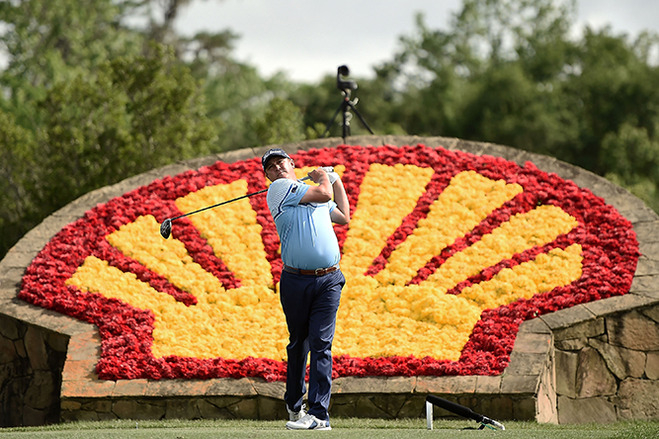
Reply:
x=166, y=228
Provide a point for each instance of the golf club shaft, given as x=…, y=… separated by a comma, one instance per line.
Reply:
x=218, y=204
x=325, y=168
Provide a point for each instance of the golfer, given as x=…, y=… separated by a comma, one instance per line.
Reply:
x=311, y=281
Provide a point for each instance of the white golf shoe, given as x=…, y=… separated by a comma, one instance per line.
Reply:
x=296, y=416
x=308, y=422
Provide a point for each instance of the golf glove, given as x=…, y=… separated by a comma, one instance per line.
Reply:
x=333, y=176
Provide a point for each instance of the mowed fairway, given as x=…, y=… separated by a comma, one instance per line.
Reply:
x=342, y=428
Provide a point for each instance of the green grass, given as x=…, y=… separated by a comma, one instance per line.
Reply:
x=342, y=428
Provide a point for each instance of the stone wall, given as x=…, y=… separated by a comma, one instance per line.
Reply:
x=607, y=364
x=31, y=362
x=593, y=362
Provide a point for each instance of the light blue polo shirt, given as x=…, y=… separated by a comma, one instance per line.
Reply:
x=307, y=237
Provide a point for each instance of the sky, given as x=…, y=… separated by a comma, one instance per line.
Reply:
x=308, y=39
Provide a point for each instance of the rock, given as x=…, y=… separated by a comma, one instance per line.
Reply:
x=634, y=331
x=638, y=399
x=593, y=377
x=587, y=410
x=624, y=363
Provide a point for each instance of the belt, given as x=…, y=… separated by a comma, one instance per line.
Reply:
x=316, y=272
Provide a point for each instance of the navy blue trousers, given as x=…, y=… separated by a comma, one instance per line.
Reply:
x=310, y=304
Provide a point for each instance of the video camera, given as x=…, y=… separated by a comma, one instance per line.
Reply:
x=342, y=83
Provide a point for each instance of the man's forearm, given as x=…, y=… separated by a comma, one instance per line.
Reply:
x=341, y=200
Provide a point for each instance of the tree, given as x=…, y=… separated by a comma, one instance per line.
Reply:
x=511, y=72
x=631, y=159
x=281, y=123
x=136, y=114
x=17, y=177
x=87, y=101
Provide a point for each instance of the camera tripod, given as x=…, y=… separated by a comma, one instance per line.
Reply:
x=346, y=105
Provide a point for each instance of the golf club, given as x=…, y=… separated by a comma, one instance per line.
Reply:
x=460, y=410
x=166, y=226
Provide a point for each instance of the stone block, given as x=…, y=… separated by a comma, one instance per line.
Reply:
x=343, y=404
x=7, y=351
x=519, y=384
x=633, y=330
x=178, y=387
x=645, y=286
x=623, y=362
x=500, y=407
x=533, y=326
x=446, y=384
x=366, y=404
x=532, y=343
x=100, y=405
x=182, y=408
x=593, y=327
x=70, y=405
x=57, y=342
x=647, y=267
x=33, y=417
x=488, y=384
x=84, y=347
x=130, y=388
x=231, y=387
x=593, y=377
x=245, y=408
x=652, y=365
x=617, y=304
x=41, y=393
x=9, y=328
x=36, y=348
x=651, y=313
x=524, y=409
x=650, y=249
x=546, y=406
x=585, y=410
x=271, y=390
x=368, y=385
x=566, y=373
x=209, y=409
x=79, y=369
x=81, y=416
x=19, y=346
x=648, y=229
x=571, y=344
x=272, y=409
x=86, y=388
x=414, y=407
x=567, y=318
x=392, y=404
x=638, y=399
x=140, y=409
x=526, y=364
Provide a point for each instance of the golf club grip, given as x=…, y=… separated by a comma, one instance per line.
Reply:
x=324, y=168
x=455, y=408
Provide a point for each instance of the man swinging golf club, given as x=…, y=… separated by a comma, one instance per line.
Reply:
x=311, y=281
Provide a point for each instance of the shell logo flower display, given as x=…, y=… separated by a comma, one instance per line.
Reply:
x=447, y=253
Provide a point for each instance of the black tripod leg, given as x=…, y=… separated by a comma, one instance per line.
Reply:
x=360, y=117
x=331, y=122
